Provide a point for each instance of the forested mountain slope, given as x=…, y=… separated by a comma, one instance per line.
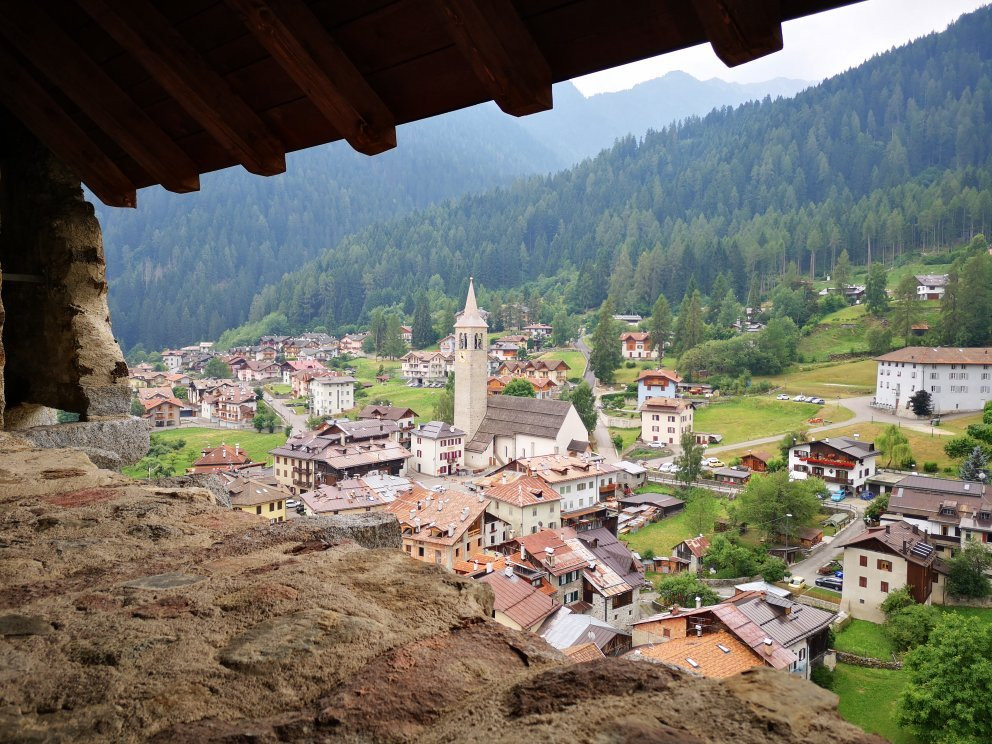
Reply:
x=184, y=267
x=891, y=156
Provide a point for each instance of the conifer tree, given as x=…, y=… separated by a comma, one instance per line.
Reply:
x=605, y=357
x=876, y=299
x=660, y=326
x=422, y=329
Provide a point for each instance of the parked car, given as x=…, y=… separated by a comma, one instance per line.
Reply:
x=714, y=462
x=828, y=569
x=838, y=496
x=797, y=582
x=783, y=396
x=830, y=582
x=655, y=445
x=799, y=398
x=818, y=401
x=292, y=503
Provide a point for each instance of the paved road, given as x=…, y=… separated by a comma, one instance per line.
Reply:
x=604, y=444
x=297, y=421
x=825, y=553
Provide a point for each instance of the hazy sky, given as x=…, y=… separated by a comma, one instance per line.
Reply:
x=816, y=47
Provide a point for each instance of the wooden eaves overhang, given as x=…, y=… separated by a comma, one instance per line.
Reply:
x=131, y=93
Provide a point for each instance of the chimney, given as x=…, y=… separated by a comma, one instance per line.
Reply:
x=699, y=602
x=416, y=524
x=489, y=567
x=505, y=478
x=508, y=572
x=523, y=553
x=888, y=531
x=916, y=529
x=549, y=556
x=903, y=546
x=675, y=610
x=451, y=529
x=699, y=628
x=464, y=514
x=767, y=646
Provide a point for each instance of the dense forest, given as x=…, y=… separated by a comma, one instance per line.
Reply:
x=185, y=267
x=890, y=157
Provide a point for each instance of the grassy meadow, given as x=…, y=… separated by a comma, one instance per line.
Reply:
x=741, y=419
x=198, y=438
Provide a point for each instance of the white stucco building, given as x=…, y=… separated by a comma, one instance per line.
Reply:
x=842, y=462
x=330, y=396
x=957, y=379
x=436, y=448
x=665, y=420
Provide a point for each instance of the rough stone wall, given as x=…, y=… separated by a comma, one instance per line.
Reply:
x=131, y=613
x=59, y=346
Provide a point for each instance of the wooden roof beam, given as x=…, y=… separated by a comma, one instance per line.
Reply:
x=741, y=30
x=28, y=101
x=149, y=37
x=40, y=39
x=297, y=40
x=503, y=54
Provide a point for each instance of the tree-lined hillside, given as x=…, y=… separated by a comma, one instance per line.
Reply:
x=890, y=157
x=184, y=267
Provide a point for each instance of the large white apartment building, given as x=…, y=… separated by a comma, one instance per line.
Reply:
x=957, y=379
x=330, y=396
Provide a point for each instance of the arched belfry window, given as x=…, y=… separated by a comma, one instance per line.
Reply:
x=462, y=340
x=478, y=340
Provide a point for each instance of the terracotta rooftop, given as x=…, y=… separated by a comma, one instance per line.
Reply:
x=650, y=374
x=563, y=468
x=252, y=492
x=665, y=404
x=583, y=652
x=712, y=655
x=525, y=491
x=350, y=494
x=437, y=518
x=899, y=538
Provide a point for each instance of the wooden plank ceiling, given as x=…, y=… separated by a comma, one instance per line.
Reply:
x=132, y=93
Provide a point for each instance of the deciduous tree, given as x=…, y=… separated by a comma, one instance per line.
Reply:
x=518, y=387
x=894, y=446
x=768, y=498
x=585, y=405
x=689, y=460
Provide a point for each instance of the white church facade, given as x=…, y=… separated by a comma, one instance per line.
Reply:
x=503, y=428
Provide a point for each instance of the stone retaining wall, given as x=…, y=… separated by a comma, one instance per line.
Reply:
x=619, y=422
x=818, y=603
x=865, y=661
x=730, y=582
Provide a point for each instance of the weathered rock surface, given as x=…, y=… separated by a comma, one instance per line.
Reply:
x=109, y=442
x=130, y=613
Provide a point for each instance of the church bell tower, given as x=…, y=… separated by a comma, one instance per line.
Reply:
x=471, y=365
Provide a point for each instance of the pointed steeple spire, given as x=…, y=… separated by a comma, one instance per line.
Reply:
x=470, y=317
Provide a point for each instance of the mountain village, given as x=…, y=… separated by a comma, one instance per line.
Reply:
x=517, y=491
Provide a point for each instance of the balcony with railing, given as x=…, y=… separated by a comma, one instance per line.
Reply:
x=830, y=462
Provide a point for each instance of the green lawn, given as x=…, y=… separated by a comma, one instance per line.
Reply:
x=663, y=535
x=863, y=638
x=197, y=438
x=982, y=613
x=869, y=698
x=395, y=390
x=923, y=446
x=832, y=380
x=741, y=419
x=572, y=357
x=629, y=436
x=279, y=388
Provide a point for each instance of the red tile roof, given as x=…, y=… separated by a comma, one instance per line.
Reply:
x=525, y=491
x=516, y=598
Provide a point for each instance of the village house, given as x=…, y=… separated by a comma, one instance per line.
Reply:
x=804, y=537
x=543, y=388
x=555, y=370
x=197, y=389
x=436, y=448
x=637, y=345
x=343, y=431
x=572, y=633
x=631, y=475
x=406, y=334
x=752, y=628
x=950, y=512
x=351, y=344
x=161, y=412
x=259, y=370
x=840, y=462
x=349, y=496
x=665, y=420
x=538, y=330
x=548, y=552
x=308, y=460
x=440, y=527
x=519, y=602
x=631, y=320
x=657, y=383
x=267, y=354
x=505, y=350
x=235, y=406
x=221, y=458
x=882, y=559
x=693, y=550
x=421, y=367
x=404, y=418
x=931, y=286
x=447, y=344
x=138, y=380
x=581, y=482
x=172, y=359
x=733, y=477
x=300, y=381
x=292, y=366
x=330, y=396
x=262, y=497
x=957, y=379
x=755, y=462
x=526, y=503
